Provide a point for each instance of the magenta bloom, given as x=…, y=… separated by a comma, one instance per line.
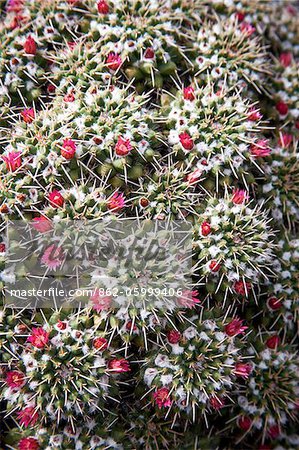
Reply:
x=113, y=61
x=188, y=299
x=123, y=147
x=56, y=199
x=243, y=370
x=254, y=115
x=217, y=403
x=42, y=224
x=38, y=338
x=100, y=302
x=161, y=397
x=27, y=416
x=68, y=149
x=116, y=202
x=239, y=196
x=247, y=28
x=260, y=148
x=28, y=115
x=188, y=93
x=28, y=443
x=119, y=365
x=15, y=379
x=235, y=327
x=12, y=160
x=53, y=257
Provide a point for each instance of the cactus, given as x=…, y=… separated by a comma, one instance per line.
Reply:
x=196, y=367
x=66, y=370
x=269, y=400
x=232, y=241
x=216, y=131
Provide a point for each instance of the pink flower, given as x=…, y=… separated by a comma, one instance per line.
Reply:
x=15, y=6
x=241, y=288
x=149, y=53
x=53, y=257
x=173, y=336
x=285, y=140
x=273, y=342
x=30, y=46
x=56, y=199
x=116, y=202
x=235, y=327
x=243, y=370
x=244, y=422
x=28, y=443
x=239, y=196
x=247, y=28
x=282, y=108
x=28, y=115
x=69, y=98
x=103, y=7
x=189, y=93
x=42, y=224
x=27, y=416
x=188, y=299
x=254, y=115
x=260, y=148
x=274, y=303
x=285, y=59
x=217, y=403
x=12, y=161
x=113, y=61
x=186, y=141
x=68, y=149
x=240, y=16
x=2, y=247
x=161, y=398
x=205, y=228
x=214, y=265
x=119, y=365
x=15, y=379
x=38, y=338
x=100, y=343
x=194, y=176
x=100, y=302
x=123, y=147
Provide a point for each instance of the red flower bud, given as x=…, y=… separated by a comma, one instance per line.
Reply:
x=173, y=336
x=30, y=46
x=244, y=423
x=273, y=342
x=103, y=7
x=274, y=304
x=186, y=141
x=214, y=265
x=205, y=228
x=188, y=93
x=285, y=59
x=282, y=108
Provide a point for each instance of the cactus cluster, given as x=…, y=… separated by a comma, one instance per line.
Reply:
x=168, y=126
